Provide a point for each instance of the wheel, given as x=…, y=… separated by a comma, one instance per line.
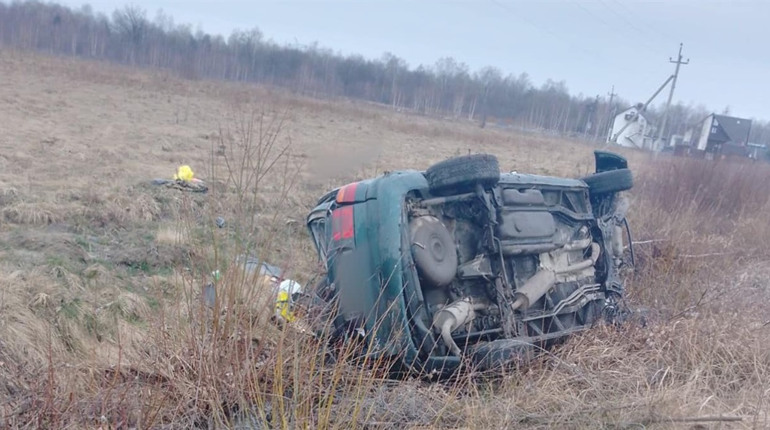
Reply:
x=611, y=181
x=433, y=250
x=502, y=352
x=461, y=174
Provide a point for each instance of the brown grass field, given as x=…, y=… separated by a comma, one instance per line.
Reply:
x=101, y=324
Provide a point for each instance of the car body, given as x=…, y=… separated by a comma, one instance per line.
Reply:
x=461, y=261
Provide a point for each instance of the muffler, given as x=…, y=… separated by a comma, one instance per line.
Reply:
x=454, y=316
x=535, y=288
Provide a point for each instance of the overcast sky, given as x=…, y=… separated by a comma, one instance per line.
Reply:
x=592, y=45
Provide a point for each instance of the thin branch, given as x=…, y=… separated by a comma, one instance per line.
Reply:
x=711, y=254
x=645, y=242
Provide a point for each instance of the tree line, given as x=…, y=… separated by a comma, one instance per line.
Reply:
x=447, y=88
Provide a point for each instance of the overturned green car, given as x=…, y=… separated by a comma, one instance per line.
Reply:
x=461, y=263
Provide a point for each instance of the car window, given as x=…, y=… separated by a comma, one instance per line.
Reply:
x=320, y=229
x=320, y=237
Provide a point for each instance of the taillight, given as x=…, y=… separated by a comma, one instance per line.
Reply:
x=347, y=194
x=342, y=218
x=342, y=223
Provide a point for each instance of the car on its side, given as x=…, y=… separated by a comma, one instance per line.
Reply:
x=463, y=262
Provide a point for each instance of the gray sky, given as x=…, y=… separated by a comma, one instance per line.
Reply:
x=590, y=44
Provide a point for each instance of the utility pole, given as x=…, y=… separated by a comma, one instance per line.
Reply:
x=678, y=63
x=610, y=113
x=592, y=119
x=612, y=95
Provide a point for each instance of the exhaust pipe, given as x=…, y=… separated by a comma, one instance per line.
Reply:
x=454, y=316
x=463, y=311
x=534, y=288
x=545, y=279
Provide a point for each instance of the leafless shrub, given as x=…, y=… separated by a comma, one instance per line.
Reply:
x=720, y=189
x=699, y=224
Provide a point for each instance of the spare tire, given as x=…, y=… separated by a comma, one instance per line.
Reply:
x=611, y=181
x=460, y=174
x=433, y=250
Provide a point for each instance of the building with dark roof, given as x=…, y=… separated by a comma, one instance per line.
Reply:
x=722, y=134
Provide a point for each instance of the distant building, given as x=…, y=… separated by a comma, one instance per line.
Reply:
x=676, y=140
x=631, y=129
x=722, y=134
x=757, y=151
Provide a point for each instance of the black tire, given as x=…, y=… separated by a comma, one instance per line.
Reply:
x=461, y=174
x=611, y=181
x=501, y=353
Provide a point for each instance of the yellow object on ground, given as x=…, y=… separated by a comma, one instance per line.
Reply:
x=283, y=307
x=184, y=173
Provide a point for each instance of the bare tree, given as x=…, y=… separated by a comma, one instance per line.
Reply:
x=131, y=22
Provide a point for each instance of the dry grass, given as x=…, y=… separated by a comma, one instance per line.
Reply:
x=102, y=323
x=172, y=235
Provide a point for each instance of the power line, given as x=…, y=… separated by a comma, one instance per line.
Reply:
x=589, y=13
x=610, y=25
x=525, y=19
x=595, y=55
x=623, y=18
x=654, y=31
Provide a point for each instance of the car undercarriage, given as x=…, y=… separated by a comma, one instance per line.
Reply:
x=498, y=265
